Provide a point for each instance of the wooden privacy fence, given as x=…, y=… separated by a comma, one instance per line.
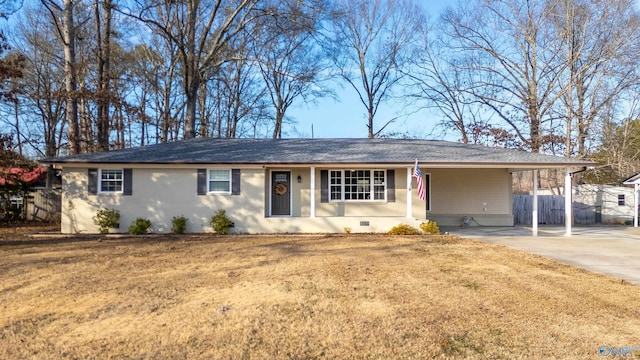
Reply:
x=43, y=205
x=551, y=210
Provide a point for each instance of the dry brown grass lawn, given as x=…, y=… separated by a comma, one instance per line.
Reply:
x=257, y=297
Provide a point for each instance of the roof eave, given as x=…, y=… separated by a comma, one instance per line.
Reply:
x=426, y=164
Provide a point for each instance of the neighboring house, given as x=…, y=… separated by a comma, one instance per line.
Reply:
x=592, y=204
x=29, y=176
x=635, y=181
x=12, y=182
x=296, y=185
x=603, y=204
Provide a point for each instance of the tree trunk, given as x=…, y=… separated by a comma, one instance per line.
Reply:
x=16, y=108
x=104, y=91
x=192, y=74
x=70, y=78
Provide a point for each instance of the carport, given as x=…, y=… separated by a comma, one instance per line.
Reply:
x=568, y=200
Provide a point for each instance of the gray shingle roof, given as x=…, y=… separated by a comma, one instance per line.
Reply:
x=318, y=151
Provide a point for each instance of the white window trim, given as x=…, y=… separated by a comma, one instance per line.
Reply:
x=371, y=184
x=219, y=192
x=100, y=191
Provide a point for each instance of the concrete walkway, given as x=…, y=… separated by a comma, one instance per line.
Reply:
x=610, y=250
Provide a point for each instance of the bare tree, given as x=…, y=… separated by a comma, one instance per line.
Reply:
x=600, y=41
x=155, y=66
x=103, y=16
x=440, y=82
x=289, y=58
x=200, y=30
x=511, y=50
x=63, y=17
x=42, y=83
x=238, y=95
x=8, y=7
x=371, y=40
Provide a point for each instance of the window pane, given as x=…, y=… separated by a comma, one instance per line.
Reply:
x=378, y=192
x=221, y=186
x=336, y=185
x=219, y=175
x=358, y=185
x=111, y=180
x=111, y=174
x=219, y=181
x=378, y=187
x=378, y=177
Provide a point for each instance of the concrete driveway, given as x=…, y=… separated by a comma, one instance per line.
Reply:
x=610, y=250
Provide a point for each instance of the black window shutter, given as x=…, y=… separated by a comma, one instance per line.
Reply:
x=202, y=182
x=127, y=185
x=324, y=186
x=391, y=185
x=427, y=188
x=235, y=181
x=93, y=181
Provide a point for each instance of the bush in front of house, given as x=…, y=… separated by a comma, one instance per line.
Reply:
x=403, y=229
x=139, y=226
x=430, y=228
x=221, y=223
x=179, y=224
x=107, y=218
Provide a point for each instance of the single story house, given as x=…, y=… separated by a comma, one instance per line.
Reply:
x=297, y=185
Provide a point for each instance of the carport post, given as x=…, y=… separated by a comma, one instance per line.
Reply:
x=409, y=205
x=534, y=211
x=312, y=179
x=636, y=187
x=568, y=203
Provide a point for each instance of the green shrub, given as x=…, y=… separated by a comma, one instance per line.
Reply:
x=107, y=218
x=221, y=223
x=139, y=226
x=403, y=229
x=430, y=228
x=179, y=224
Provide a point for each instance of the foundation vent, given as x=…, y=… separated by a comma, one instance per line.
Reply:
x=364, y=223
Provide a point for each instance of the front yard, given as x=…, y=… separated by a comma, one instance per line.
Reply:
x=338, y=296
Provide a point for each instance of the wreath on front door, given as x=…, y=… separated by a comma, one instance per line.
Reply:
x=280, y=189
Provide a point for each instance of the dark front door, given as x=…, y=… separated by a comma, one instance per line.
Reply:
x=280, y=193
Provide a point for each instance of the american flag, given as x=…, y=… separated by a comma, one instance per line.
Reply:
x=418, y=175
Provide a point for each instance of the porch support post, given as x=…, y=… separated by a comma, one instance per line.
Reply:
x=534, y=211
x=568, y=203
x=636, y=187
x=409, y=206
x=312, y=180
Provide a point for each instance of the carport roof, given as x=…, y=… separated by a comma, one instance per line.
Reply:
x=633, y=179
x=321, y=151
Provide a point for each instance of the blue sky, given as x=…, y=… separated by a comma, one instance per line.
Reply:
x=346, y=116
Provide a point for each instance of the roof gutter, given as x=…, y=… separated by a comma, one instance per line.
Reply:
x=581, y=170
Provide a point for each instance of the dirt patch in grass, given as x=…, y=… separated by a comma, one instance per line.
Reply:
x=22, y=230
x=339, y=296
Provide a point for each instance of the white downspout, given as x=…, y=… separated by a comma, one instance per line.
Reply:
x=568, y=203
x=409, y=206
x=534, y=212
